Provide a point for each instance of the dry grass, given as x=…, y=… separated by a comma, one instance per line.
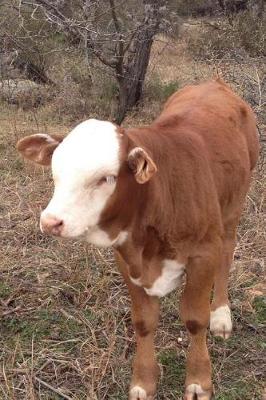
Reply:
x=65, y=318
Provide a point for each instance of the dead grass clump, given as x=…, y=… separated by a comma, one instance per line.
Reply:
x=24, y=93
x=68, y=103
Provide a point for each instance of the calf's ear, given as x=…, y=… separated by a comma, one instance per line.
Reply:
x=141, y=164
x=38, y=148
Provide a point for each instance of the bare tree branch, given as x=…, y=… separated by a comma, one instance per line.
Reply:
x=119, y=37
x=120, y=46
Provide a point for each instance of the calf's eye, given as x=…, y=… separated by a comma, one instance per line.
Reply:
x=110, y=180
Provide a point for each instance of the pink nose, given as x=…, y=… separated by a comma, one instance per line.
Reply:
x=52, y=225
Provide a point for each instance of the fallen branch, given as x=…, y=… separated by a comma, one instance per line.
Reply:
x=11, y=311
x=53, y=389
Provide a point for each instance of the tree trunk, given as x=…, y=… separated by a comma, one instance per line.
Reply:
x=131, y=79
x=131, y=85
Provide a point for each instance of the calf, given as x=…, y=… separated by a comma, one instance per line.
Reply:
x=168, y=198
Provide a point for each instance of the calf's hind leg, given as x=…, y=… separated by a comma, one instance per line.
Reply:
x=145, y=314
x=220, y=321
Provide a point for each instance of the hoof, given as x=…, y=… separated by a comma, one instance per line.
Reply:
x=220, y=322
x=138, y=393
x=195, y=392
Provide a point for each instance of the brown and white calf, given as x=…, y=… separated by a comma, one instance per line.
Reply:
x=168, y=198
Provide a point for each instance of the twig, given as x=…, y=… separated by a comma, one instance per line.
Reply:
x=57, y=391
x=5, y=313
x=210, y=24
x=259, y=87
x=69, y=316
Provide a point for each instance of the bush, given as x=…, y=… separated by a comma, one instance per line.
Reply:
x=24, y=93
x=252, y=33
x=243, y=35
x=81, y=91
x=157, y=90
x=196, y=7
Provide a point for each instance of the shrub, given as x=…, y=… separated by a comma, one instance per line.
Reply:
x=158, y=90
x=24, y=93
x=252, y=33
x=196, y=7
x=243, y=35
x=81, y=91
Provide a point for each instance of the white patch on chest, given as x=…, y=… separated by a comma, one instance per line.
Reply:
x=168, y=280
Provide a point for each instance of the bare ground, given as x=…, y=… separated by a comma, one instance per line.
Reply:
x=65, y=315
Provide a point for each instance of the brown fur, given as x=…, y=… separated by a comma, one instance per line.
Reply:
x=204, y=166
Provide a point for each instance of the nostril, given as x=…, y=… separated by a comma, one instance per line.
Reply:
x=57, y=226
x=52, y=225
x=59, y=223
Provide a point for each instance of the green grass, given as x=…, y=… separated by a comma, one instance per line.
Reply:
x=5, y=290
x=240, y=390
x=173, y=365
x=259, y=305
x=157, y=90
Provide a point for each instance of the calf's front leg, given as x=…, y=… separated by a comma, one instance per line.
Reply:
x=195, y=313
x=145, y=315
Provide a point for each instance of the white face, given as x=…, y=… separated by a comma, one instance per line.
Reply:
x=80, y=166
